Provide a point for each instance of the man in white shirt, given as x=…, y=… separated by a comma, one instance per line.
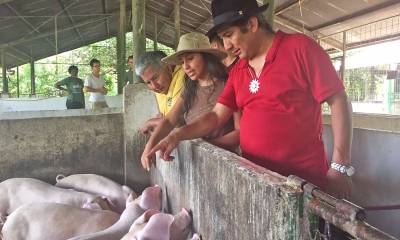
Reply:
x=95, y=84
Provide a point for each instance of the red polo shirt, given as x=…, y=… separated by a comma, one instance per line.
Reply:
x=281, y=125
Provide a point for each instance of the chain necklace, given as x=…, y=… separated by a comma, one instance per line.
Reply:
x=254, y=84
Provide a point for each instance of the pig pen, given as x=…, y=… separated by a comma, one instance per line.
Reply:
x=230, y=197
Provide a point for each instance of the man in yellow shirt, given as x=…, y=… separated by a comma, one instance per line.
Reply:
x=165, y=80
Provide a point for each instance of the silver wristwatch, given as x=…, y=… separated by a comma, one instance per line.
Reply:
x=346, y=170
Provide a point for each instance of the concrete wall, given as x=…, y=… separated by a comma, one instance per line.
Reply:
x=376, y=157
x=44, y=143
x=139, y=106
x=231, y=198
x=44, y=104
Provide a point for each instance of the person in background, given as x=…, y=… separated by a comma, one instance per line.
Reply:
x=95, y=85
x=165, y=80
x=217, y=43
x=129, y=73
x=74, y=87
x=205, y=77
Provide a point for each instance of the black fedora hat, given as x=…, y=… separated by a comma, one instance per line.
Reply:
x=226, y=12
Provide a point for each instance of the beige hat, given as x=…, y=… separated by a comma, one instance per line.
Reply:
x=193, y=42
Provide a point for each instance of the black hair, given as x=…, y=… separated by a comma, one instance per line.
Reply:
x=93, y=61
x=130, y=57
x=217, y=71
x=72, y=68
x=215, y=38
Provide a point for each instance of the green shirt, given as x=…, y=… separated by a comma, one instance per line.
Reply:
x=75, y=89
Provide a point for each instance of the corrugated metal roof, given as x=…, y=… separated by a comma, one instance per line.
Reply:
x=27, y=28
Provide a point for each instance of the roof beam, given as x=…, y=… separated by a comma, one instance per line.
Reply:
x=50, y=33
x=288, y=5
x=282, y=21
x=64, y=9
x=5, y=1
x=26, y=22
x=104, y=3
x=169, y=17
x=355, y=15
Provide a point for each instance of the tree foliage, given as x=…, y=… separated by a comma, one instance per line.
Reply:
x=52, y=69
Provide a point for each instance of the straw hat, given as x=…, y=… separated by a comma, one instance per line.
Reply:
x=193, y=42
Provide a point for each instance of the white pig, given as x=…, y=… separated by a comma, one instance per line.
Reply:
x=55, y=221
x=97, y=184
x=160, y=226
x=15, y=192
x=150, y=199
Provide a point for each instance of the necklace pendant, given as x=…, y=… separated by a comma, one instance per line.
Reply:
x=254, y=86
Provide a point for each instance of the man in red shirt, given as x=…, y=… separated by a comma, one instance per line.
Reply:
x=279, y=84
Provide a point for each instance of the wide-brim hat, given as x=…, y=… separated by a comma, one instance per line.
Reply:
x=193, y=42
x=226, y=12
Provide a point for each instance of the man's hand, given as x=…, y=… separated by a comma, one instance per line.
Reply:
x=165, y=147
x=147, y=159
x=103, y=90
x=338, y=185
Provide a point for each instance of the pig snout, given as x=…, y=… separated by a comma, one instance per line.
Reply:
x=157, y=228
x=180, y=227
x=196, y=236
x=151, y=198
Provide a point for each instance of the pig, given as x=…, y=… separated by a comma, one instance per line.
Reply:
x=15, y=192
x=160, y=226
x=196, y=236
x=150, y=199
x=96, y=184
x=55, y=221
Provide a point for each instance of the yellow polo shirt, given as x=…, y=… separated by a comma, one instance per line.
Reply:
x=167, y=101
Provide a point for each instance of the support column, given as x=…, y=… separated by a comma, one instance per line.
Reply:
x=17, y=81
x=177, y=21
x=33, y=85
x=343, y=66
x=138, y=30
x=269, y=14
x=121, y=46
x=4, y=73
x=155, y=40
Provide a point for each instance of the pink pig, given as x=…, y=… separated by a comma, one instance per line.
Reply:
x=160, y=226
x=96, y=184
x=55, y=221
x=150, y=199
x=15, y=192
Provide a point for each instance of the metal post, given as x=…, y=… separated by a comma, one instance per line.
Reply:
x=17, y=82
x=269, y=14
x=155, y=40
x=121, y=46
x=343, y=67
x=4, y=72
x=33, y=85
x=138, y=30
x=177, y=21
x=56, y=41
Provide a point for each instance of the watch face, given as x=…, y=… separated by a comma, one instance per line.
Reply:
x=350, y=171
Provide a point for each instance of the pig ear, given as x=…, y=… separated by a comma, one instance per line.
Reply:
x=127, y=190
x=104, y=203
x=59, y=177
x=91, y=205
x=149, y=213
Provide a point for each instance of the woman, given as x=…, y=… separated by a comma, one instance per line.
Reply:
x=205, y=77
